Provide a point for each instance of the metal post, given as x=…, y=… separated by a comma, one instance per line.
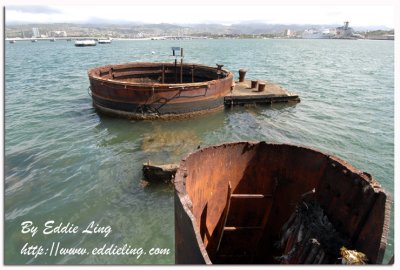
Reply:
x=176, y=72
x=242, y=74
x=181, y=69
x=192, y=73
x=219, y=70
x=181, y=64
x=163, y=74
x=111, y=71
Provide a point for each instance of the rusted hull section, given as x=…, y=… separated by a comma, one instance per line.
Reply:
x=157, y=90
x=232, y=200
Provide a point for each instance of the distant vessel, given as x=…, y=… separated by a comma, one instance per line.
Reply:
x=34, y=40
x=316, y=34
x=52, y=40
x=12, y=41
x=104, y=41
x=346, y=32
x=85, y=42
x=342, y=32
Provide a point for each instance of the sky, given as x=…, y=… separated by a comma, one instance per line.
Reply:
x=360, y=15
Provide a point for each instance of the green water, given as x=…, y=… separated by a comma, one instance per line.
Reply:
x=66, y=163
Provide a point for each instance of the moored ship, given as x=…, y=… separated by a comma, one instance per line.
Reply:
x=85, y=42
x=104, y=41
x=317, y=34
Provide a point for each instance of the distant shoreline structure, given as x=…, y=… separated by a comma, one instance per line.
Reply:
x=195, y=31
x=340, y=32
x=14, y=40
x=97, y=38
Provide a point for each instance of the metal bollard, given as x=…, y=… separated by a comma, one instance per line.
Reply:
x=261, y=87
x=254, y=84
x=242, y=74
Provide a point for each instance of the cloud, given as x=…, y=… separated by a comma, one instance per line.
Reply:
x=103, y=20
x=98, y=14
x=33, y=9
x=333, y=13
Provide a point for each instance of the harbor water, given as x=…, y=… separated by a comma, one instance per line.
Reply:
x=67, y=165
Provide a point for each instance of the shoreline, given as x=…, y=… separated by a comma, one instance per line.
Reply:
x=185, y=38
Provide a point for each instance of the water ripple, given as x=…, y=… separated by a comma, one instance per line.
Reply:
x=65, y=162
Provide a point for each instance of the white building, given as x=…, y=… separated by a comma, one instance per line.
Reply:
x=287, y=33
x=35, y=32
x=58, y=34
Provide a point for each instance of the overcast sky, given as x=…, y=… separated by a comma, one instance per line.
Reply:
x=357, y=15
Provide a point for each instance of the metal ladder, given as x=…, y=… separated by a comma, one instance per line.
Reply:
x=259, y=228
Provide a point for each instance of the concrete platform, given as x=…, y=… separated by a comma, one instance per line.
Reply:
x=242, y=94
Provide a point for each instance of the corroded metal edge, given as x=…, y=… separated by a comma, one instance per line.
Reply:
x=154, y=116
x=92, y=75
x=142, y=101
x=198, y=250
x=185, y=201
x=381, y=194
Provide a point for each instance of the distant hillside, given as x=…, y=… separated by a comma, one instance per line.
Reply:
x=132, y=30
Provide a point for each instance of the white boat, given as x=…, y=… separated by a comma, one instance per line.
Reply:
x=85, y=42
x=316, y=34
x=13, y=41
x=104, y=41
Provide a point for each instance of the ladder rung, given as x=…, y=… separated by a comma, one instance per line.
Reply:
x=233, y=255
x=242, y=228
x=251, y=196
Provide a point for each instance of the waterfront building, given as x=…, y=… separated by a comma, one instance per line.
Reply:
x=35, y=32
